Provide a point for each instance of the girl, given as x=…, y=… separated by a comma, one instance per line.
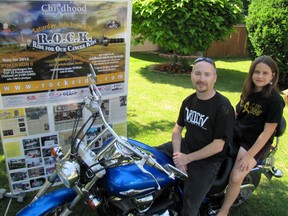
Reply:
x=257, y=115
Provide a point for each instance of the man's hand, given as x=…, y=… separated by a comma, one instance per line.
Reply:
x=180, y=160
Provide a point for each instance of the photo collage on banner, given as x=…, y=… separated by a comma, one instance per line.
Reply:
x=46, y=49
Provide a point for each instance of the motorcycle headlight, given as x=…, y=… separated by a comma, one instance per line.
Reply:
x=68, y=172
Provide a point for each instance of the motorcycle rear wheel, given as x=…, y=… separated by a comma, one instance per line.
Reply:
x=249, y=184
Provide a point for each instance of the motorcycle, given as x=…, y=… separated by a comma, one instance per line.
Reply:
x=127, y=177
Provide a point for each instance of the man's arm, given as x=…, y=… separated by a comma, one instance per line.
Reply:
x=177, y=138
x=213, y=148
x=176, y=142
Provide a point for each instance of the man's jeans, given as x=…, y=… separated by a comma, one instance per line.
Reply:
x=201, y=176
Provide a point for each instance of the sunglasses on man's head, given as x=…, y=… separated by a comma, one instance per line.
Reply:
x=200, y=59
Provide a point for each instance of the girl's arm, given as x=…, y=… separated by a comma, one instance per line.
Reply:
x=262, y=139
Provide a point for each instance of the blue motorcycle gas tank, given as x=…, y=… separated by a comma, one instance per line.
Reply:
x=129, y=180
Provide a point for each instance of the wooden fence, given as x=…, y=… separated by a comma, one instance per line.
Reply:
x=146, y=47
x=234, y=46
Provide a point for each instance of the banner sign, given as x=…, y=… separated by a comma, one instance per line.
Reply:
x=46, y=48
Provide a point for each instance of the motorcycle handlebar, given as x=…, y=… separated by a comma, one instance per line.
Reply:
x=95, y=106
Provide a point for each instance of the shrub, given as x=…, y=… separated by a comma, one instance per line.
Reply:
x=184, y=26
x=267, y=26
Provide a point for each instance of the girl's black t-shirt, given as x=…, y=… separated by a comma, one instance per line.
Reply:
x=254, y=112
x=206, y=120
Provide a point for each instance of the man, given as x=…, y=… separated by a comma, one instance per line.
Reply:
x=208, y=118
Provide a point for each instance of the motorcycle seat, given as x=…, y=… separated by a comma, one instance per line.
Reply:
x=281, y=127
x=222, y=176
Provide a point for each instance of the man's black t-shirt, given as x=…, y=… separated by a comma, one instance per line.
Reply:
x=206, y=120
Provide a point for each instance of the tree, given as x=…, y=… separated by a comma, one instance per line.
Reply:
x=184, y=26
x=267, y=26
x=245, y=6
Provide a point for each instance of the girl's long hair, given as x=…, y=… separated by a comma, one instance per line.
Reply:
x=249, y=86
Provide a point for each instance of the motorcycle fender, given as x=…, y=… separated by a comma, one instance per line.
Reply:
x=48, y=202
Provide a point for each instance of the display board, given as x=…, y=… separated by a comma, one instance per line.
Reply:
x=46, y=48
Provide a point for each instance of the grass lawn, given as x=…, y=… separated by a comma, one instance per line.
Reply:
x=154, y=100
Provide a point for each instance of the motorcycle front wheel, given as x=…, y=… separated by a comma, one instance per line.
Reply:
x=59, y=210
x=249, y=184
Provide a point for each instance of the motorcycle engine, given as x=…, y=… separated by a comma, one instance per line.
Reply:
x=142, y=204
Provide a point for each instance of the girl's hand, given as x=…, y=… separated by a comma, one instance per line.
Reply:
x=243, y=162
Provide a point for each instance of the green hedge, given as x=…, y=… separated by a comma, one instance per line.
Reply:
x=267, y=26
x=184, y=26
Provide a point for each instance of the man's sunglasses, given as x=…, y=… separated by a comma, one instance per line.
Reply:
x=200, y=59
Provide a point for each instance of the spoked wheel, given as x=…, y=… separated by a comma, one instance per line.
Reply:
x=249, y=184
x=57, y=211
